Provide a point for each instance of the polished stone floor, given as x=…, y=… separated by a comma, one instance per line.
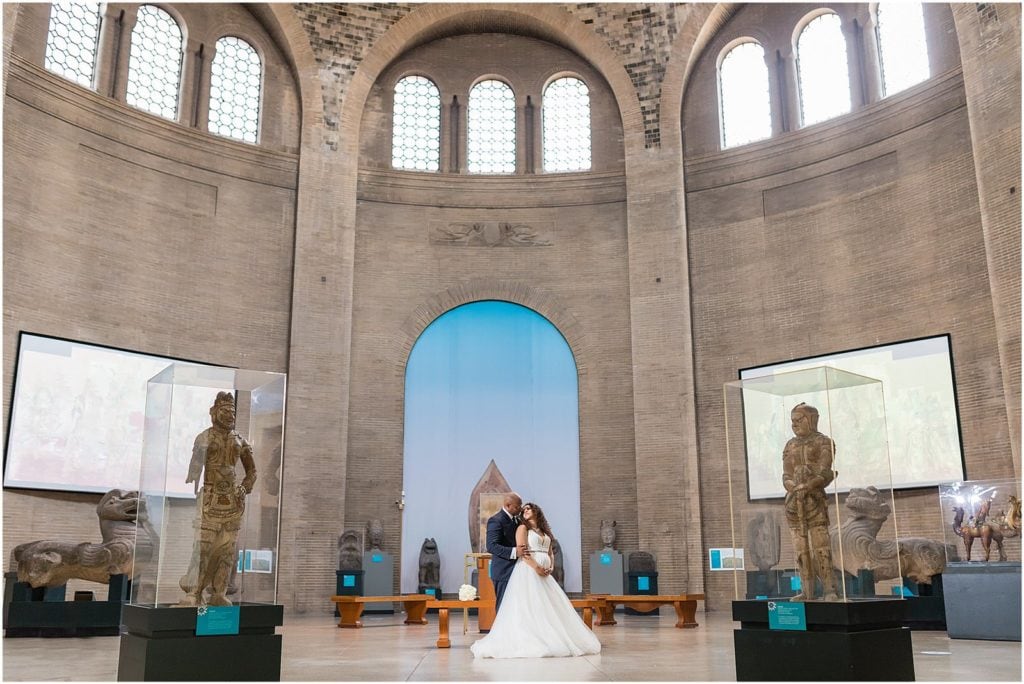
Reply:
x=637, y=649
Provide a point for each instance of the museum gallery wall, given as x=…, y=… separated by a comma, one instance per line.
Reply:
x=666, y=267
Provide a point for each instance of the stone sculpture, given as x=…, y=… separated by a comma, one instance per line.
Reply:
x=376, y=534
x=641, y=561
x=430, y=568
x=558, y=570
x=919, y=558
x=215, y=453
x=47, y=563
x=350, y=553
x=764, y=541
x=806, y=471
x=608, y=534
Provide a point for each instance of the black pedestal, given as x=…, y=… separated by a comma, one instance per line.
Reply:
x=852, y=641
x=642, y=583
x=43, y=612
x=926, y=609
x=347, y=583
x=160, y=644
x=770, y=583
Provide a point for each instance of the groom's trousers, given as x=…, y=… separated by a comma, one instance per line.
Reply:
x=499, y=592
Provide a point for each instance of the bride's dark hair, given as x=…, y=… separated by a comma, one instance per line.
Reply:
x=538, y=516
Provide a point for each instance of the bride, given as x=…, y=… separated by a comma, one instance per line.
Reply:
x=536, y=619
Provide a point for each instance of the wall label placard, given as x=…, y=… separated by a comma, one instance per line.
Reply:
x=217, y=620
x=784, y=615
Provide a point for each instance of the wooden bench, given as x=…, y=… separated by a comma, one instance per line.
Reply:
x=443, y=607
x=685, y=605
x=350, y=608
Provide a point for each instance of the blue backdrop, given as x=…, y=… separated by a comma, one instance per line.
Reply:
x=488, y=380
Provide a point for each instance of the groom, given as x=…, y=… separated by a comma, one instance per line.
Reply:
x=501, y=544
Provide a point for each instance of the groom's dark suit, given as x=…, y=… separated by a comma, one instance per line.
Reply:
x=501, y=543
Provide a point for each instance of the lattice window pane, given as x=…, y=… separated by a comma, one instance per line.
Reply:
x=71, y=41
x=745, y=98
x=235, y=79
x=416, y=126
x=566, y=124
x=491, y=129
x=902, y=45
x=824, y=75
x=154, y=68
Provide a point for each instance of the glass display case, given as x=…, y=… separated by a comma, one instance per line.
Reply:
x=810, y=496
x=981, y=521
x=210, y=491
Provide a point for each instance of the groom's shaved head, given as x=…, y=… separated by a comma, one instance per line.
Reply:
x=513, y=502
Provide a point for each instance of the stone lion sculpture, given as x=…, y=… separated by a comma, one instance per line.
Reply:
x=47, y=563
x=430, y=566
x=919, y=558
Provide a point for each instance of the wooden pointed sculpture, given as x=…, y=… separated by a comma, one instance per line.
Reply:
x=491, y=488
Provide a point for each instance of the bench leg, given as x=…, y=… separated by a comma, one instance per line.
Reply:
x=606, y=614
x=415, y=612
x=588, y=617
x=442, y=627
x=686, y=611
x=349, y=614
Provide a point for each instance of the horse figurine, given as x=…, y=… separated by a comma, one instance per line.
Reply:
x=978, y=528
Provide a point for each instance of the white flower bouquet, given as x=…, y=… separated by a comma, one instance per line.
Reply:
x=467, y=592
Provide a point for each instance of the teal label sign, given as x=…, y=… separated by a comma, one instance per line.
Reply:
x=348, y=580
x=606, y=559
x=716, y=559
x=784, y=615
x=212, y=620
x=643, y=583
x=794, y=583
x=432, y=592
x=376, y=558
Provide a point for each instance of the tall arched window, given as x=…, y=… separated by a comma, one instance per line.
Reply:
x=154, y=67
x=903, y=50
x=235, y=79
x=491, y=128
x=744, y=99
x=565, y=113
x=823, y=72
x=71, y=41
x=416, y=125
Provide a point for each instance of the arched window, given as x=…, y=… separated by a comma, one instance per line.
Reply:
x=565, y=113
x=236, y=75
x=903, y=50
x=491, y=129
x=744, y=98
x=416, y=125
x=154, y=67
x=823, y=72
x=71, y=41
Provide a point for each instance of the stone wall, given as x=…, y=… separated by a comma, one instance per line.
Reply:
x=127, y=230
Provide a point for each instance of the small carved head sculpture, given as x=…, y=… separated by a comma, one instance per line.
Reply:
x=350, y=555
x=608, y=533
x=376, y=534
x=222, y=413
x=804, y=419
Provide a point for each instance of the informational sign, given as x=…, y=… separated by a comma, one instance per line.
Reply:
x=643, y=583
x=376, y=558
x=785, y=615
x=214, y=620
x=725, y=559
x=348, y=580
x=606, y=559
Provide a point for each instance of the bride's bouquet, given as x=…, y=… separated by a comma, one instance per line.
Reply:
x=467, y=592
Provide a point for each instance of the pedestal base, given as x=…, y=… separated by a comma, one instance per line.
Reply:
x=161, y=645
x=43, y=612
x=853, y=641
x=982, y=600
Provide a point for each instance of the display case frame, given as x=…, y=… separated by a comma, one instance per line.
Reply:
x=760, y=416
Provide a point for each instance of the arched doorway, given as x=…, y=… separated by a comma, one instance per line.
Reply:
x=488, y=381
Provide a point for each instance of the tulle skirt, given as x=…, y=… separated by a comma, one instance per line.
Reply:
x=536, y=620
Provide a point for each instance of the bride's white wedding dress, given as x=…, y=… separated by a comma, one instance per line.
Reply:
x=536, y=619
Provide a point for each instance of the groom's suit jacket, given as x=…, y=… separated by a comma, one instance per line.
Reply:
x=501, y=542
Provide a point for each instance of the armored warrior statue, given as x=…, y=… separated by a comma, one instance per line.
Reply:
x=215, y=454
x=806, y=471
